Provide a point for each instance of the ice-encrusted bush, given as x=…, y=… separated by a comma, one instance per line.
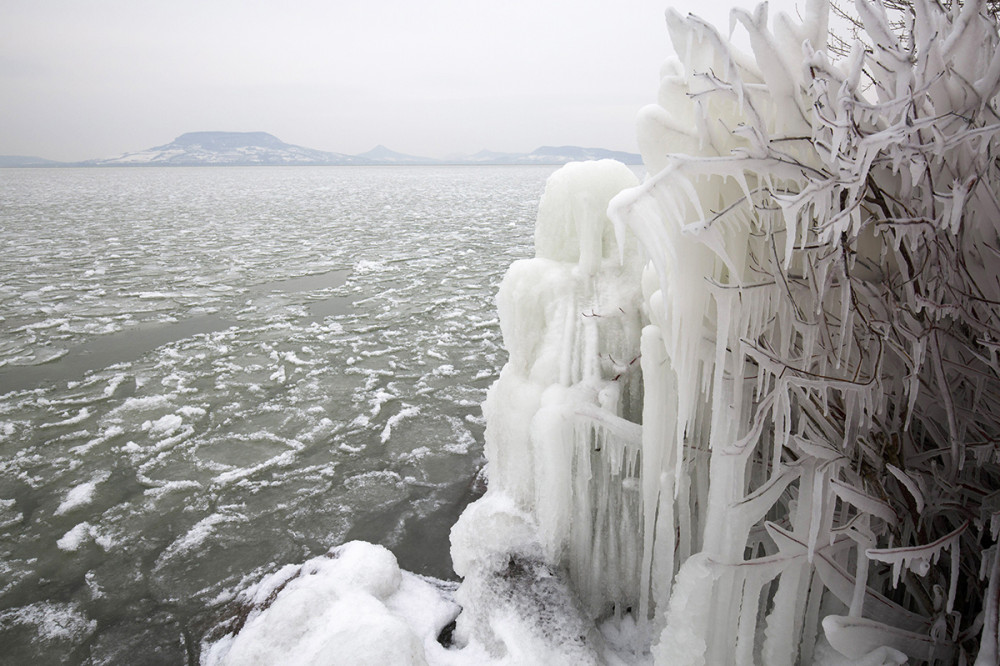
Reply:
x=813, y=343
x=826, y=292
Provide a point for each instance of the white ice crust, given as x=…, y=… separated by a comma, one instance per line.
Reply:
x=352, y=607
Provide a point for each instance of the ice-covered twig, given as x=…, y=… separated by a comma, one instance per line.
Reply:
x=916, y=558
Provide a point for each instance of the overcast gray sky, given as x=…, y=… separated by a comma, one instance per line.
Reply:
x=84, y=79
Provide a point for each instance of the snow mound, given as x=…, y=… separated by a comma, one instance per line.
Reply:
x=352, y=606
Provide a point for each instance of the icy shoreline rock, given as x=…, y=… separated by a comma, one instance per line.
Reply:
x=351, y=606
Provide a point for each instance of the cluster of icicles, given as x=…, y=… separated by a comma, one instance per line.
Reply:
x=753, y=406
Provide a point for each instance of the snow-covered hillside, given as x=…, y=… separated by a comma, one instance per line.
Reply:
x=228, y=148
x=263, y=149
x=551, y=155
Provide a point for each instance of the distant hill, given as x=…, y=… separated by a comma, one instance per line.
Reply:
x=263, y=149
x=551, y=155
x=563, y=154
x=228, y=149
x=382, y=155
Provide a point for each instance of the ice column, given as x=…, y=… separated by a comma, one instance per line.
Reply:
x=563, y=437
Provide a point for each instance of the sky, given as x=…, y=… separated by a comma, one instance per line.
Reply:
x=98, y=78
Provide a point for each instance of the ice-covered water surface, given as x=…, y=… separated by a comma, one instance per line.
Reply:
x=208, y=373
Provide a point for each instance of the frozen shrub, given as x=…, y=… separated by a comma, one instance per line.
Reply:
x=764, y=418
x=826, y=296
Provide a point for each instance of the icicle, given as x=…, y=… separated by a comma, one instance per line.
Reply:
x=959, y=192
x=747, y=625
x=818, y=506
x=989, y=651
x=917, y=352
x=861, y=570
x=953, y=578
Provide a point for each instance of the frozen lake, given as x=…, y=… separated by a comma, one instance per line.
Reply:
x=207, y=373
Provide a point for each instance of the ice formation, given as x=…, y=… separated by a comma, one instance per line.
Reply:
x=750, y=413
x=755, y=409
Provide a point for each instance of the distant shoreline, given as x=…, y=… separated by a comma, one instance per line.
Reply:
x=282, y=166
x=200, y=149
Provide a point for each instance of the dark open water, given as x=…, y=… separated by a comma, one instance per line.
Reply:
x=207, y=373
